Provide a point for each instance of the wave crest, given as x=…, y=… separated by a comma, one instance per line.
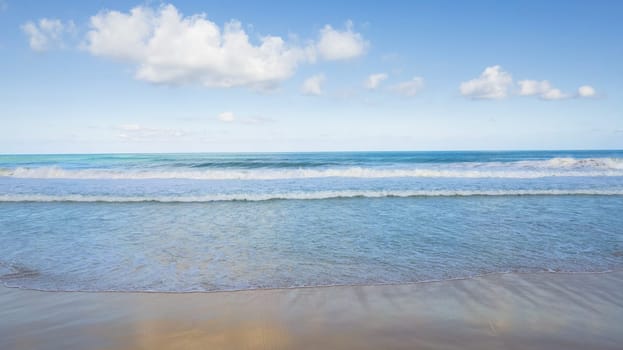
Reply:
x=302, y=195
x=529, y=169
x=582, y=163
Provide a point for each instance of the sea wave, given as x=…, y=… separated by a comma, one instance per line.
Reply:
x=528, y=169
x=253, y=197
x=574, y=163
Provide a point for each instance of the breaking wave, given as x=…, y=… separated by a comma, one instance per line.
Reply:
x=520, y=169
x=253, y=197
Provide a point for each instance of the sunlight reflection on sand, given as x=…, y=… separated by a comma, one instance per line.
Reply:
x=535, y=311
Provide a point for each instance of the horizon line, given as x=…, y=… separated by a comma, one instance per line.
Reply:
x=335, y=151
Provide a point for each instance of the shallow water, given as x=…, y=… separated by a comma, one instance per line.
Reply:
x=224, y=222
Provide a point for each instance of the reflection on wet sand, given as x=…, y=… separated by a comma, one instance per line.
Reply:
x=530, y=311
x=163, y=334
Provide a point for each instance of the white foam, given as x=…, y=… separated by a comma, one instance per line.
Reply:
x=593, y=163
x=519, y=170
x=302, y=195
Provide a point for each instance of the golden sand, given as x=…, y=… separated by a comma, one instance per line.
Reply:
x=511, y=311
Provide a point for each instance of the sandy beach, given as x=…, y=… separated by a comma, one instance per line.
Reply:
x=311, y=175
x=507, y=311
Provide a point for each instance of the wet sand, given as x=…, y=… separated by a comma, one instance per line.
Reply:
x=511, y=311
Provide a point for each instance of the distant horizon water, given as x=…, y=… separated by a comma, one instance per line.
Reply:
x=467, y=150
x=186, y=222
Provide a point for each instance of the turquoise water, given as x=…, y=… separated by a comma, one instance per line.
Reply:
x=206, y=222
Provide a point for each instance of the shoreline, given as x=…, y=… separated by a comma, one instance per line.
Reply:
x=542, y=310
x=381, y=284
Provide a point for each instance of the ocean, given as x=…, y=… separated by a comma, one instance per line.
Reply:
x=215, y=222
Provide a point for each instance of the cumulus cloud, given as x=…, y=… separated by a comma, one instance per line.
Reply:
x=169, y=48
x=586, y=91
x=493, y=83
x=544, y=90
x=313, y=85
x=47, y=33
x=409, y=88
x=533, y=87
x=340, y=45
x=554, y=94
x=374, y=80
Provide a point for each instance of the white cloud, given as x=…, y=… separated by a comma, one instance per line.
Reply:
x=374, y=80
x=546, y=91
x=47, y=33
x=313, y=85
x=170, y=48
x=493, y=83
x=340, y=45
x=124, y=36
x=533, y=87
x=167, y=47
x=586, y=91
x=227, y=117
x=542, y=88
x=3, y=5
x=409, y=88
x=554, y=94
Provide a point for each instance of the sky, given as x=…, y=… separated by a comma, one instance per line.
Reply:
x=284, y=76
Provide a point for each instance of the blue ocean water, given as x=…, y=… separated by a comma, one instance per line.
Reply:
x=207, y=222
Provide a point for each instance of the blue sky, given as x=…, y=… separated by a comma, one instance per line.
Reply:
x=213, y=76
